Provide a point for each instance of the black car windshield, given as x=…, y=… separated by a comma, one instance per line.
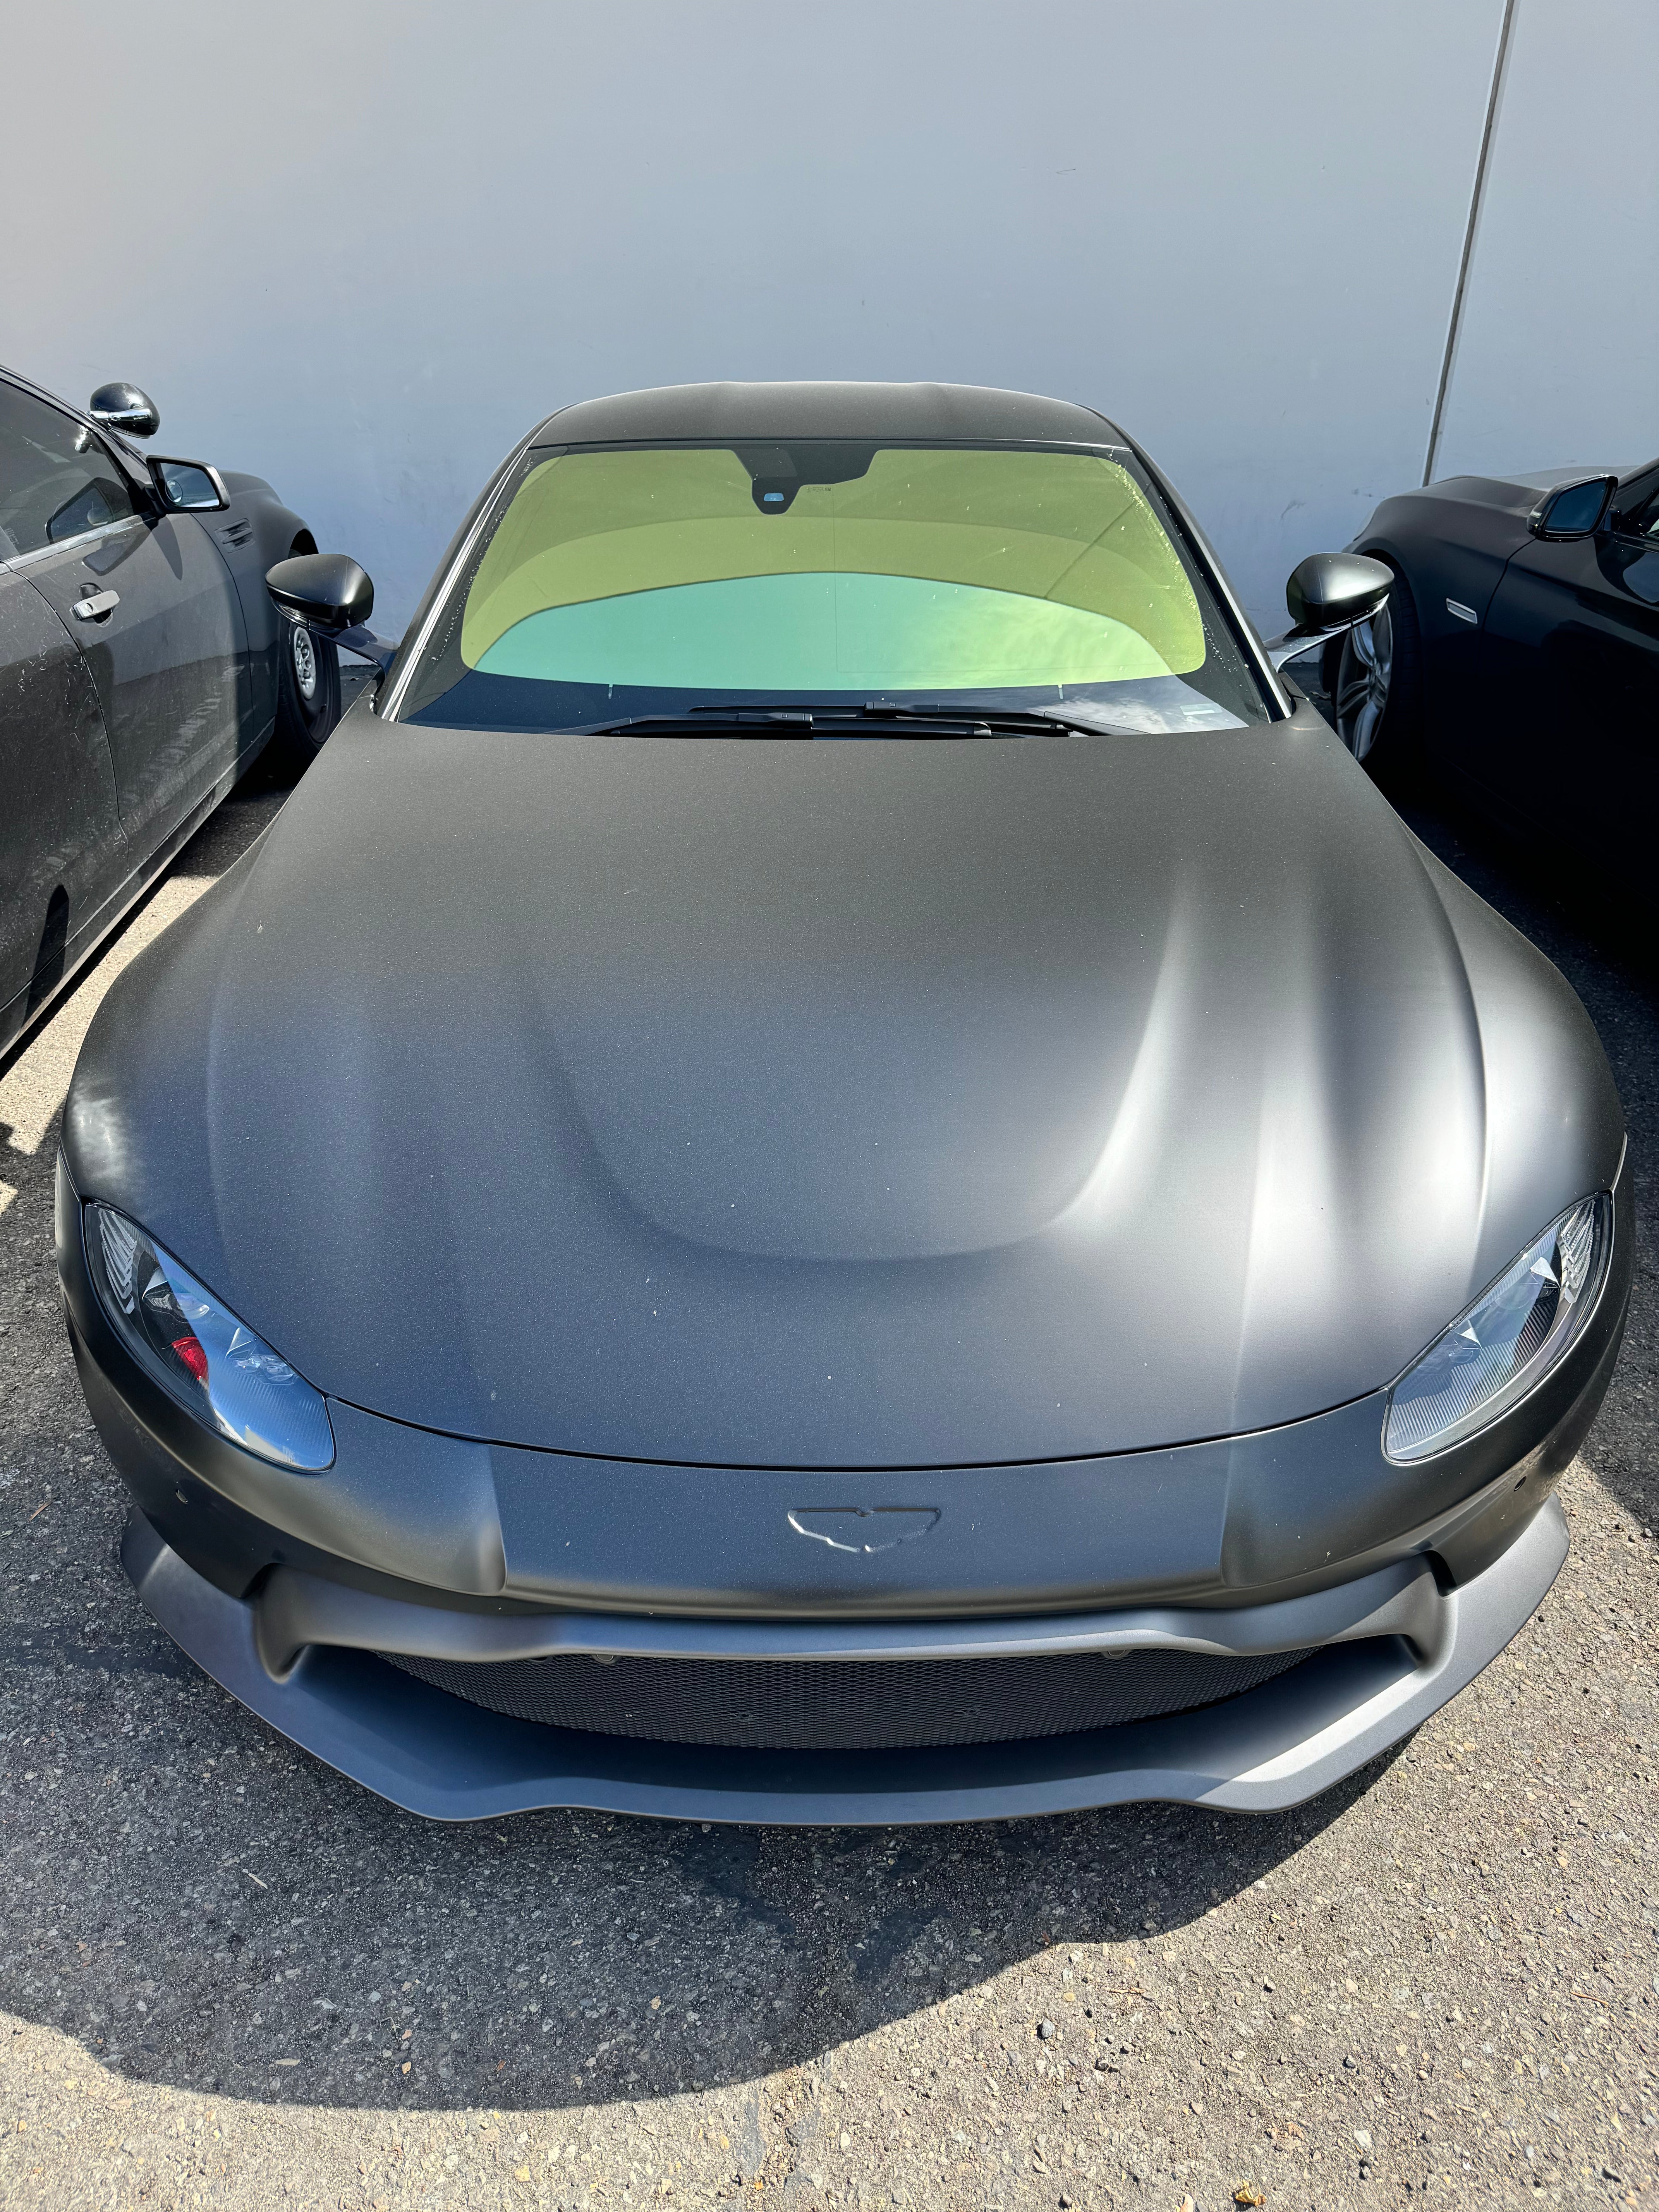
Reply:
x=652, y=581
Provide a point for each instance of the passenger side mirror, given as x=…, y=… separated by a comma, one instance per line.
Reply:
x=188, y=487
x=326, y=591
x=1573, y=510
x=1328, y=592
x=124, y=407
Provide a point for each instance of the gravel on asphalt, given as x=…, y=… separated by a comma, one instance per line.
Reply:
x=231, y=1978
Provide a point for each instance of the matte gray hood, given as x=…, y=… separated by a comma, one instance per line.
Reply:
x=886, y=1103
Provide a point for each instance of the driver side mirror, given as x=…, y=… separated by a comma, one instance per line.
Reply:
x=1328, y=592
x=188, y=487
x=124, y=407
x=326, y=591
x=330, y=593
x=1573, y=510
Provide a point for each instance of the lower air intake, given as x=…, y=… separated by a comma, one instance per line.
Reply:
x=838, y=1704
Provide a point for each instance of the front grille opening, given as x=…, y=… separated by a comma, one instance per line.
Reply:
x=839, y=1705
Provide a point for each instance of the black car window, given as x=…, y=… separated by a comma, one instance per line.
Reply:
x=56, y=479
x=1636, y=510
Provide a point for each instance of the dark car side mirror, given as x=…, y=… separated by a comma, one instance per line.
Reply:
x=326, y=591
x=124, y=407
x=188, y=487
x=330, y=593
x=1328, y=592
x=1573, y=510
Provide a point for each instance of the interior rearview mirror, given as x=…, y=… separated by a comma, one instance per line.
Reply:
x=326, y=591
x=188, y=487
x=1573, y=510
x=124, y=407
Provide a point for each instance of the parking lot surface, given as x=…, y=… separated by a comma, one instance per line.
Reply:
x=230, y=1978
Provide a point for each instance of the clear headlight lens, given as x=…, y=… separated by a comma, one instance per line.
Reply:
x=1509, y=1340
x=216, y=1368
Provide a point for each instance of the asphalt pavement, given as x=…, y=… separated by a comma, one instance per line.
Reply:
x=231, y=1978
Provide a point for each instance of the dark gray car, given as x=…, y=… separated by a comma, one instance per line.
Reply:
x=141, y=669
x=832, y=1168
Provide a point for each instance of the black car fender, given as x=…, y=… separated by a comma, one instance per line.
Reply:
x=253, y=533
x=1453, y=552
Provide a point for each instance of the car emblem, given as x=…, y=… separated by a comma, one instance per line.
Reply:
x=863, y=1527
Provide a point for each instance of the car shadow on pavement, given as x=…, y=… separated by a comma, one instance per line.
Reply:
x=205, y=1906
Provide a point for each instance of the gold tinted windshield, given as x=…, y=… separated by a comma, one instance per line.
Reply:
x=929, y=567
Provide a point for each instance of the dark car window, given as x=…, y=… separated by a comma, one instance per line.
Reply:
x=57, y=480
x=1636, y=507
x=650, y=579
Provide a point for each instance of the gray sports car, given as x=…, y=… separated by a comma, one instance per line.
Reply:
x=835, y=1167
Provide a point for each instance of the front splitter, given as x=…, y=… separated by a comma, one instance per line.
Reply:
x=446, y=1760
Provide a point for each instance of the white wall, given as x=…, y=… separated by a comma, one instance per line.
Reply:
x=1558, y=355
x=359, y=250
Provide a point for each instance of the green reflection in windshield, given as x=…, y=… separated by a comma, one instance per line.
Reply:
x=822, y=632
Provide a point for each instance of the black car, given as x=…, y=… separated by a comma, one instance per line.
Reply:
x=833, y=1167
x=141, y=669
x=1519, y=656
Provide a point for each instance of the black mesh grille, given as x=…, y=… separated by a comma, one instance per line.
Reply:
x=837, y=1704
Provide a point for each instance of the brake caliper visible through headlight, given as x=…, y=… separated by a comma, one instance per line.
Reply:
x=215, y=1366
x=1509, y=1340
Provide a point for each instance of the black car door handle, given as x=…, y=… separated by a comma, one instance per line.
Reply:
x=96, y=608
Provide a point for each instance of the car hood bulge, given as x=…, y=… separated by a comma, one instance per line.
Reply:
x=881, y=1103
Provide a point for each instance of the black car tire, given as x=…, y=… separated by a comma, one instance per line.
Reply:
x=307, y=698
x=1396, y=758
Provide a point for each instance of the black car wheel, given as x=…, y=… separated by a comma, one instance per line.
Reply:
x=1377, y=705
x=308, y=698
x=1363, y=682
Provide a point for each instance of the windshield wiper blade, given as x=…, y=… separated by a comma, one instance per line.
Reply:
x=791, y=718
x=701, y=723
x=998, y=721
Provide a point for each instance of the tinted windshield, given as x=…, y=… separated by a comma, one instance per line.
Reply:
x=652, y=580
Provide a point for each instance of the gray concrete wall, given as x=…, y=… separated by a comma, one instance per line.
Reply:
x=359, y=250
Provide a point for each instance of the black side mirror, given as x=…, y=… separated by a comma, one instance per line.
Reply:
x=188, y=487
x=1573, y=510
x=1331, y=591
x=326, y=591
x=1328, y=593
x=124, y=407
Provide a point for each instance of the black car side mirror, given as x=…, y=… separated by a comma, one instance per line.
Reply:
x=330, y=593
x=188, y=487
x=1573, y=510
x=124, y=407
x=326, y=591
x=1328, y=592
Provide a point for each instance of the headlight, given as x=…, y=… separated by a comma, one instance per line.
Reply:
x=1509, y=1340
x=229, y=1378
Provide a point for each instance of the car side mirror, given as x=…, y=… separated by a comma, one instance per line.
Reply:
x=188, y=487
x=124, y=407
x=330, y=593
x=326, y=591
x=1328, y=592
x=1573, y=510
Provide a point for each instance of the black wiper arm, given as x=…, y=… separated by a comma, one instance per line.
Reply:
x=996, y=720
x=705, y=721
x=791, y=718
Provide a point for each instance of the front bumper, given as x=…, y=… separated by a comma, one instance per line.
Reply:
x=1402, y=1582
x=437, y=1755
